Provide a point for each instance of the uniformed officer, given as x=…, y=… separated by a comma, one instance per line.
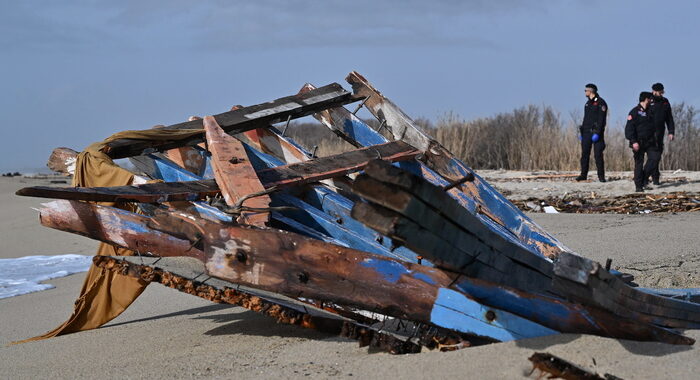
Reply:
x=593, y=132
x=641, y=133
x=660, y=109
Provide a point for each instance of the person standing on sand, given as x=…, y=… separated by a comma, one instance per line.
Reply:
x=641, y=133
x=593, y=132
x=661, y=111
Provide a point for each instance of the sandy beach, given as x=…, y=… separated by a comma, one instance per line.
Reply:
x=167, y=334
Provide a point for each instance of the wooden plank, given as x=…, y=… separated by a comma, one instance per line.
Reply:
x=234, y=173
x=268, y=141
x=595, y=276
x=447, y=207
x=335, y=211
x=336, y=165
x=151, y=192
x=292, y=265
x=244, y=119
x=115, y=226
x=491, y=202
x=565, y=316
x=598, y=287
x=158, y=166
x=192, y=189
x=458, y=256
x=110, y=225
x=685, y=294
x=346, y=125
x=324, y=211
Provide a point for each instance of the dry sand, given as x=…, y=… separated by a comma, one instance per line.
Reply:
x=168, y=334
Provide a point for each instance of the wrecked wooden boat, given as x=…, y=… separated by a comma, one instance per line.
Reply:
x=397, y=244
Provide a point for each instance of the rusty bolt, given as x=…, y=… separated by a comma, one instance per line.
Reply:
x=490, y=316
x=241, y=256
x=303, y=277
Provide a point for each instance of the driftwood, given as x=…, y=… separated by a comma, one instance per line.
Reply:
x=626, y=204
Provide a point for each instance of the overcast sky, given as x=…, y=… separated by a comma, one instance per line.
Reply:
x=75, y=72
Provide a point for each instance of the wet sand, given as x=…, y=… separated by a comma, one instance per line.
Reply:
x=167, y=334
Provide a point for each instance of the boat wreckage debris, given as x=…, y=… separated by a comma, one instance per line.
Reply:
x=397, y=244
x=626, y=204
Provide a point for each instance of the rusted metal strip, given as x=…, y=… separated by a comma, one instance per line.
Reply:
x=235, y=175
x=244, y=119
x=115, y=226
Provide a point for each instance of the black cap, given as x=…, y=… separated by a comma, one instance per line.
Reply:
x=645, y=95
x=593, y=87
x=657, y=87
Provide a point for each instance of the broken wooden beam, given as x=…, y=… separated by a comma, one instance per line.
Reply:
x=336, y=165
x=243, y=119
x=236, y=176
x=437, y=157
x=588, y=282
x=292, y=265
x=150, y=192
x=432, y=223
x=115, y=226
x=62, y=160
x=192, y=189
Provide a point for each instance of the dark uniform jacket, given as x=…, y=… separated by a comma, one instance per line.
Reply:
x=640, y=127
x=594, y=116
x=663, y=116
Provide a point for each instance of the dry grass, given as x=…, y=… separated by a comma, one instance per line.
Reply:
x=528, y=138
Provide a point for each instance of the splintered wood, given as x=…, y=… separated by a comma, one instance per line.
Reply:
x=626, y=204
x=397, y=244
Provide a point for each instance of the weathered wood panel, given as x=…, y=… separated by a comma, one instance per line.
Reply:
x=491, y=202
x=447, y=207
x=151, y=192
x=234, y=173
x=336, y=165
x=192, y=189
x=244, y=119
x=115, y=226
x=289, y=264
